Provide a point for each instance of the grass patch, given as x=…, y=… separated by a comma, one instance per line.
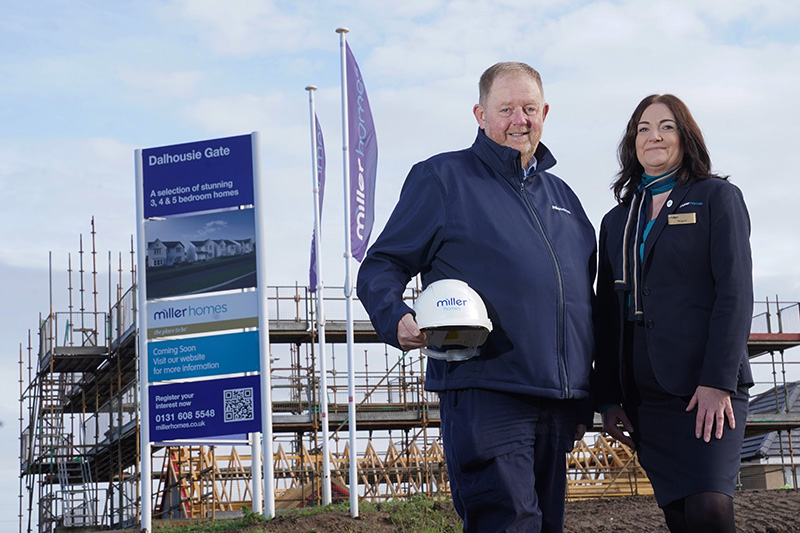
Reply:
x=419, y=514
x=423, y=515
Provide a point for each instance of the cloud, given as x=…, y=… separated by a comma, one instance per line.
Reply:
x=160, y=84
x=227, y=70
x=210, y=228
x=248, y=26
x=281, y=116
x=56, y=188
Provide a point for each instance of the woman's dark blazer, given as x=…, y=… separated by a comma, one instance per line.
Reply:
x=697, y=293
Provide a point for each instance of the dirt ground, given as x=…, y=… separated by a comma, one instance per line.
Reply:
x=758, y=511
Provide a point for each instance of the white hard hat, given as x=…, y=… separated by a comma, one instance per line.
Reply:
x=455, y=319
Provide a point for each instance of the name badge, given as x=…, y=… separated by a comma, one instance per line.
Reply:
x=682, y=218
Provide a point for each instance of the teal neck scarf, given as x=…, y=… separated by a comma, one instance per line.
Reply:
x=635, y=232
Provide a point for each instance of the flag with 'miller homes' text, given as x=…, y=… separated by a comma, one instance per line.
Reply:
x=363, y=150
x=320, y=174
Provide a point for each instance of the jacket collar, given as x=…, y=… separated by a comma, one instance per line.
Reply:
x=506, y=160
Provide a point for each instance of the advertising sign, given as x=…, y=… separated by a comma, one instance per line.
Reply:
x=205, y=408
x=203, y=356
x=198, y=259
x=198, y=176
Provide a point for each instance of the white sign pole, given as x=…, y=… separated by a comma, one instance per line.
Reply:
x=145, y=466
x=257, y=482
x=263, y=334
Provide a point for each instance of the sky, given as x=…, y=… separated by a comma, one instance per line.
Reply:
x=85, y=83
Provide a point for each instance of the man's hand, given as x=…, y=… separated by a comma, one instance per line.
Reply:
x=713, y=407
x=409, y=335
x=612, y=417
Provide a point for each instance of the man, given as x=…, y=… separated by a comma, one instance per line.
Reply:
x=494, y=217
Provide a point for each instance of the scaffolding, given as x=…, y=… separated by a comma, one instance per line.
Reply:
x=79, y=410
x=79, y=416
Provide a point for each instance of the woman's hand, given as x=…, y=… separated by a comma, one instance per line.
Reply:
x=713, y=407
x=612, y=418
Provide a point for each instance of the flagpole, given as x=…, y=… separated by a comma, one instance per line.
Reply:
x=348, y=283
x=323, y=365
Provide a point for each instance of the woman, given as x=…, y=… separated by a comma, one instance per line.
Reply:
x=675, y=301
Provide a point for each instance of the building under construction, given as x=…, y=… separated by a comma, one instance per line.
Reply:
x=80, y=463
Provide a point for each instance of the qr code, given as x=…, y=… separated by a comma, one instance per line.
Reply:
x=238, y=404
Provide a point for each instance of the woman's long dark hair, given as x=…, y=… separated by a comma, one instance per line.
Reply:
x=696, y=164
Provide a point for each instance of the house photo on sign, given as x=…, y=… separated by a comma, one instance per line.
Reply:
x=200, y=253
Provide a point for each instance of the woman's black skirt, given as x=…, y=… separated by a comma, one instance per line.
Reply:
x=677, y=463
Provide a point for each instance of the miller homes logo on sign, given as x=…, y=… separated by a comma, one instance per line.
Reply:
x=199, y=176
x=204, y=314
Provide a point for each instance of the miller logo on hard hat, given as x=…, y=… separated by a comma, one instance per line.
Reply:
x=455, y=319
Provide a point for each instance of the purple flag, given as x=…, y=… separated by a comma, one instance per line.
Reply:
x=320, y=158
x=363, y=149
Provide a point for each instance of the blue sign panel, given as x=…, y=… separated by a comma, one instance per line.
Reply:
x=205, y=408
x=199, y=176
x=203, y=356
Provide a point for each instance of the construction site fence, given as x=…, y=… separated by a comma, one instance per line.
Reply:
x=71, y=329
x=774, y=368
x=775, y=316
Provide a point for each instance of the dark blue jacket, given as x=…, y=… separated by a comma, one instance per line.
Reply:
x=526, y=247
x=697, y=293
